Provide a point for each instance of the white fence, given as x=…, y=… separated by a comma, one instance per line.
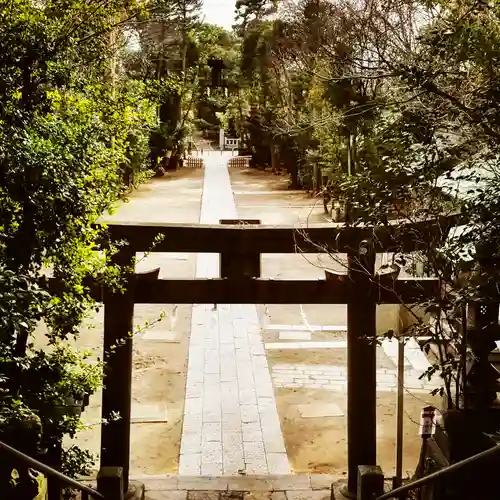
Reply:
x=239, y=162
x=231, y=143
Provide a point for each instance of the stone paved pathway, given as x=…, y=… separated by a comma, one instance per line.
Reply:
x=334, y=378
x=231, y=424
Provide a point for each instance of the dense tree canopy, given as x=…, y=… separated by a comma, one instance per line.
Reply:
x=338, y=78
x=70, y=133
x=86, y=87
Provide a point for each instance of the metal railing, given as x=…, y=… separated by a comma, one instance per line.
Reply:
x=49, y=471
x=440, y=473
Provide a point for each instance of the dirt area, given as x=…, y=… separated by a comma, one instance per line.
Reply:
x=317, y=445
x=262, y=195
x=159, y=376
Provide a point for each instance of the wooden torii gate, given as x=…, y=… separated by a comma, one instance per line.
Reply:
x=240, y=248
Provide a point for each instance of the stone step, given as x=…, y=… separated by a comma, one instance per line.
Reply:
x=277, y=487
x=313, y=482
x=258, y=487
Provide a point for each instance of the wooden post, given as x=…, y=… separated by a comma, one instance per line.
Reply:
x=54, y=486
x=361, y=364
x=481, y=376
x=110, y=483
x=400, y=413
x=240, y=263
x=370, y=482
x=116, y=395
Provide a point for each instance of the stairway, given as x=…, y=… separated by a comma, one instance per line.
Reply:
x=277, y=487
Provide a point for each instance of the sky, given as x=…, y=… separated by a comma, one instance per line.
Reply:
x=220, y=12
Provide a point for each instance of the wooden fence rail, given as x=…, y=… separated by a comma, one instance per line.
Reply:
x=193, y=162
x=239, y=162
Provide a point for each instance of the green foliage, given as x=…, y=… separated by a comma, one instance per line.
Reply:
x=217, y=47
x=73, y=458
x=168, y=60
x=251, y=11
x=431, y=149
x=74, y=135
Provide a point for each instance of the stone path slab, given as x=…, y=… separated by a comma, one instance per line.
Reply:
x=320, y=410
x=256, y=487
x=414, y=358
x=148, y=413
x=161, y=336
x=231, y=423
x=334, y=344
x=295, y=335
x=308, y=328
x=334, y=378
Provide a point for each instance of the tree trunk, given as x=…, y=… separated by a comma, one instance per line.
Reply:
x=293, y=168
x=274, y=159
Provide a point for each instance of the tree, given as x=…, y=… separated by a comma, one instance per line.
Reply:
x=168, y=56
x=433, y=150
x=218, y=58
x=277, y=85
x=250, y=12
x=68, y=136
